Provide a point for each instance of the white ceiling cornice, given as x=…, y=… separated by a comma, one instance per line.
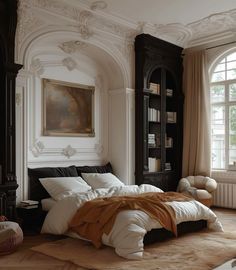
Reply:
x=87, y=19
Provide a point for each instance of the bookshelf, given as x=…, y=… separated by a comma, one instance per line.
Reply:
x=158, y=112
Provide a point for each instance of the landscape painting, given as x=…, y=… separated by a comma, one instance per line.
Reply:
x=68, y=109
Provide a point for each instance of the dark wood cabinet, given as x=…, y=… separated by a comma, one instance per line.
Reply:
x=8, y=72
x=158, y=112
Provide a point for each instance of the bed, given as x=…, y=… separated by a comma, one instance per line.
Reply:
x=128, y=240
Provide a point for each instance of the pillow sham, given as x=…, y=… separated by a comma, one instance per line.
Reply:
x=102, y=180
x=36, y=190
x=61, y=187
x=107, y=168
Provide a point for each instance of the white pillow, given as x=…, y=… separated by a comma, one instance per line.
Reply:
x=61, y=187
x=102, y=180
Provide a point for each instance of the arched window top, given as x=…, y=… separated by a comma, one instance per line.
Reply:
x=225, y=69
x=223, y=111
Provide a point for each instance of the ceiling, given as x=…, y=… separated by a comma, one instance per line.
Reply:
x=186, y=23
x=166, y=11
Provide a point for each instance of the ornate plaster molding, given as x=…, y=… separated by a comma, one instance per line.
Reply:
x=37, y=148
x=88, y=20
x=69, y=151
x=98, y=5
x=36, y=67
x=69, y=63
x=72, y=46
x=214, y=24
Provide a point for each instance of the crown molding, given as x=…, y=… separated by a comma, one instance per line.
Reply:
x=90, y=19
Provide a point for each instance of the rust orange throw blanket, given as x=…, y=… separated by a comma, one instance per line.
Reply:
x=97, y=216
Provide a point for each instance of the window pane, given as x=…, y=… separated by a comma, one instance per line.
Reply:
x=231, y=57
x=218, y=76
x=218, y=93
x=232, y=92
x=220, y=67
x=232, y=156
x=218, y=152
x=222, y=61
x=218, y=136
x=218, y=115
x=231, y=65
x=232, y=127
x=231, y=74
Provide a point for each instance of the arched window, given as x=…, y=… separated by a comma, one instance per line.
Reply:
x=223, y=111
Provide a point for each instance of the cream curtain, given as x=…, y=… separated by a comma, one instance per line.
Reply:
x=196, y=135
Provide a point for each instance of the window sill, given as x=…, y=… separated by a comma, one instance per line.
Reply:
x=223, y=176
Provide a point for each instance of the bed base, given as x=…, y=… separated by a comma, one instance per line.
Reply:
x=158, y=235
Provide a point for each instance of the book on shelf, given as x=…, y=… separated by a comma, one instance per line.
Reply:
x=29, y=202
x=171, y=117
x=28, y=206
x=169, y=92
x=155, y=88
x=167, y=166
x=168, y=142
x=154, y=164
x=154, y=115
x=151, y=140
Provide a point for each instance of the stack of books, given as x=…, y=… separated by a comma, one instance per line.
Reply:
x=29, y=204
x=154, y=115
x=151, y=140
x=154, y=165
x=155, y=88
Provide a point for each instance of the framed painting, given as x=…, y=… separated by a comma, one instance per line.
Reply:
x=68, y=109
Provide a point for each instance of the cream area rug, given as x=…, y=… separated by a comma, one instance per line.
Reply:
x=196, y=251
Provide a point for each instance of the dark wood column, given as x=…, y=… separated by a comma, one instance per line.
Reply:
x=8, y=72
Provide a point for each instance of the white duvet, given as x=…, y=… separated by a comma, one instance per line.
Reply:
x=130, y=226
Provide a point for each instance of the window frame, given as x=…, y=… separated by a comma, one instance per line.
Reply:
x=226, y=103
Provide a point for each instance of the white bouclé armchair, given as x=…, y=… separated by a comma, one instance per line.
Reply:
x=199, y=187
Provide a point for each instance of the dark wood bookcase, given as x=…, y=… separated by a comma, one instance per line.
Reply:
x=8, y=72
x=158, y=112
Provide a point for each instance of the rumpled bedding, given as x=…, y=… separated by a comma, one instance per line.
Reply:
x=130, y=226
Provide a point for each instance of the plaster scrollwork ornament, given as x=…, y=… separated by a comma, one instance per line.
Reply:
x=27, y=19
x=69, y=63
x=72, y=46
x=83, y=18
x=36, y=67
x=214, y=24
x=98, y=5
x=37, y=148
x=69, y=151
x=175, y=33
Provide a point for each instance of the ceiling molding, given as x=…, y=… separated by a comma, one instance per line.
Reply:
x=88, y=20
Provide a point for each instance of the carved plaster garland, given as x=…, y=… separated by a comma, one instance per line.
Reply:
x=72, y=46
x=88, y=22
x=69, y=63
x=69, y=151
x=98, y=5
x=37, y=148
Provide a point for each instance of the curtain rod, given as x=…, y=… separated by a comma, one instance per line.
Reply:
x=220, y=45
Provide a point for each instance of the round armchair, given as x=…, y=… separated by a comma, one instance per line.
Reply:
x=199, y=187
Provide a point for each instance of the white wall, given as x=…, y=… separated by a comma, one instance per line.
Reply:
x=58, y=52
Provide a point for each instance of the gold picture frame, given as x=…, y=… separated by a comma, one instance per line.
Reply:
x=68, y=109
